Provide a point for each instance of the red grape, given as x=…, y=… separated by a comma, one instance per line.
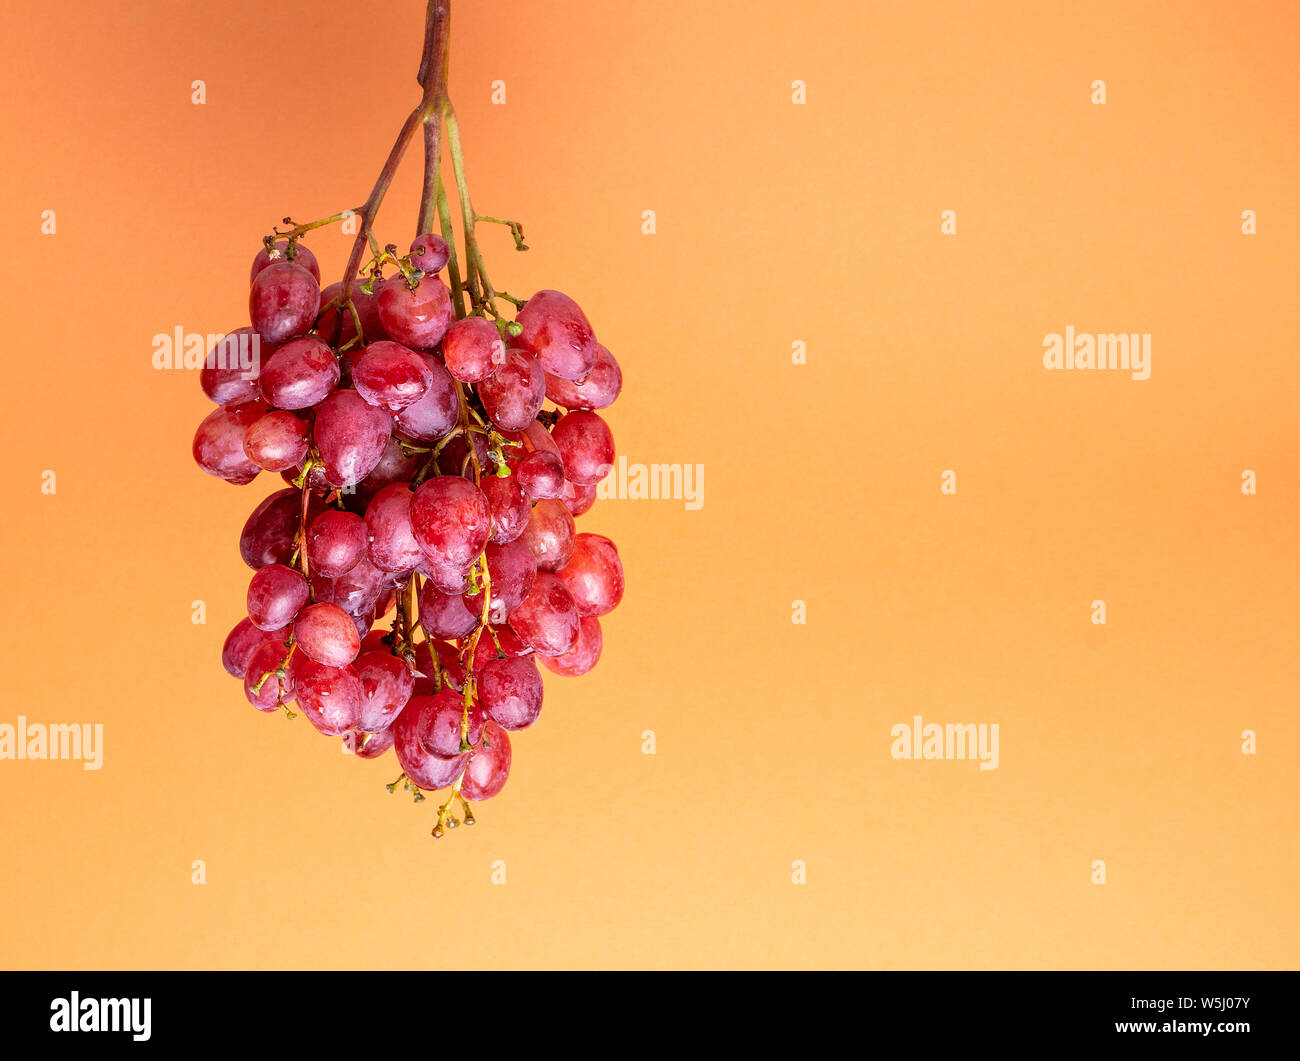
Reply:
x=445, y=615
x=224, y=378
x=594, y=575
x=283, y=301
x=242, y=642
x=511, y=692
x=386, y=685
x=268, y=658
x=513, y=395
x=350, y=436
x=578, y=499
x=437, y=410
x=550, y=534
x=440, y=725
x=367, y=307
x=367, y=745
x=267, y=537
x=275, y=595
x=417, y=318
x=219, y=442
x=547, y=620
x=429, y=253
x=276, y=441
x=330, y=697
x=558, y=334
x=586, y=446
x=391, y=375
x=541, y=475
x=489, y=765
x=388, y=522
x=473, y=349
x=512, y=568
x=425, y=770
x=582, y=656
x=336, y=540
x=327, y=634
x=509, y=507
x=451, y=519
x=597, y=391
x=356, y=591
x=300, y=374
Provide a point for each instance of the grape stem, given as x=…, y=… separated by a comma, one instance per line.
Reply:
x=433, y=79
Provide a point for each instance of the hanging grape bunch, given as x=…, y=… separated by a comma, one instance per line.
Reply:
x=422, y=560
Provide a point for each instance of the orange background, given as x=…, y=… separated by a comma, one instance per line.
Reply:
x=776, y=223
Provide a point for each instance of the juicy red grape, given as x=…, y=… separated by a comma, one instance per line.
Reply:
x=271, y=690
x=242, y=642
x=440, y=725
x=219, y=442
x=511, y=692
x=276, y=441
x=386, y=685
x=429, y=253
x=512, y=568
x=417, y=318
x=451, y=520
x=446, y=578
x=391, y=375
x=330, y=697
x=594, y=575
x=425, y=770
x=578, y=499
x=558, y=334
x=388, y=524
x=327, y=634
x=513, y=395
x=473, y=349
x=584, y=653
x=336, y=540
x=357, y=590
x=395, y=465
x=224, y=377
x=299, y=374
x=550, y=534
x=489, y=765
x=444, y=615
x=508, y=505
x=276, y=594
x=586, y=445
x=367, y=745
x=437, y=410
x=547, y=620
x=283, y=301
x=301, y=256
x=541, y=475
x=597, y=391
x=267, y=537
x=350, y=436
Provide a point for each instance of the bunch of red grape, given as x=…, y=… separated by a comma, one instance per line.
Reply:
x=427, y=481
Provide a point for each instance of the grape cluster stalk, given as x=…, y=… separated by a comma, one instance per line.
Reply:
x=422, y=558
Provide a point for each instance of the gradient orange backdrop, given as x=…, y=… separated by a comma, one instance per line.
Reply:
x=776, y=223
